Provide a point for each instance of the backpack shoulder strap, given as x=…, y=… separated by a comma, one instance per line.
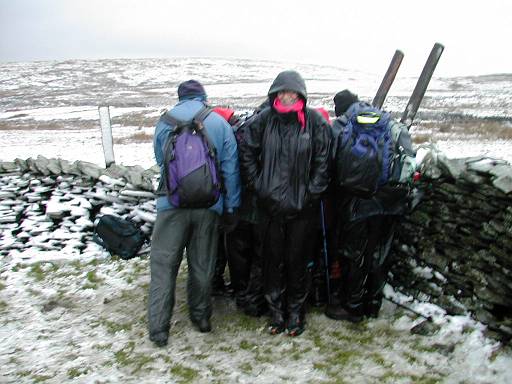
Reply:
x=174, y=122
x=395, y=130
x=402, y=138
x=199, y=119
x=167, y=118
x=203, y=113
x=343, y=119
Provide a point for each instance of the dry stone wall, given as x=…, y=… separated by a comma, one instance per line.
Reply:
x=51, y=204
x=454, y=249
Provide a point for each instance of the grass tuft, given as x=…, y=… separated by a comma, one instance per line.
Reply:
x=138, y=137
x=36, y=272
x=187, y=374
x=76, y=372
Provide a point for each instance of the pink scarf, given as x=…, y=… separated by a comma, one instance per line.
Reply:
x=298, y=107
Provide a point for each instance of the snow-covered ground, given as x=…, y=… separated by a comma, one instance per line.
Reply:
x=80, y=316
x=84, y=320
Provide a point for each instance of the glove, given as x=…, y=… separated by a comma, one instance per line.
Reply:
x=228, y=222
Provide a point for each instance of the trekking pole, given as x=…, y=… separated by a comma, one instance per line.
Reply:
x=326, y=256
x=388, y=79
x=422, y=84
x=428, y=318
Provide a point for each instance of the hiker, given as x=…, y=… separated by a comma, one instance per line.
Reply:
x=219, y=286
x=324, y=114
x=318, y=288
x=199, y=186
x=283, y=158
x=241, y=246
x=365, y=222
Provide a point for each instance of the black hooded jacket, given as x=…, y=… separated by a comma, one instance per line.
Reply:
x=285, y=164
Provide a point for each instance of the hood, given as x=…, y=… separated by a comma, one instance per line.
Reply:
x=288, y=80
x=226, y=113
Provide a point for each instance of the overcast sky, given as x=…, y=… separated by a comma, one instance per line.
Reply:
x=352, y=34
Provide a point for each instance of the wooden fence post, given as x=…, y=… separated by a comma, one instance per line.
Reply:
x=106, y=135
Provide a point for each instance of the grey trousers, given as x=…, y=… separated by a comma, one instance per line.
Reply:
x=174, y=230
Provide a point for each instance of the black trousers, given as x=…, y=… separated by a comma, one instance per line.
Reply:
x=363, y=252
x=220, y=264
x=244, y=247
x=287, y=249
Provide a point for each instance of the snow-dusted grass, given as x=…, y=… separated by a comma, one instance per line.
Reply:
x=85, y=320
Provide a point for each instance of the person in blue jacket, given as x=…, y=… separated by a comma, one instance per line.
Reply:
x=195, y=229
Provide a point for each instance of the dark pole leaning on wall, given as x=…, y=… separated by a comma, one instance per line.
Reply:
x=421, y=85
x=388, y=79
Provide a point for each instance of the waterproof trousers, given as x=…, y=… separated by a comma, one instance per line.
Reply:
x=218, y=282
x=174, y=230
x=318, y=285
x=286, y=253
x=245, y=267
x=363, y=251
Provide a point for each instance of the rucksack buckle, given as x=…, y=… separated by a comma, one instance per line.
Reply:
x=368, y=118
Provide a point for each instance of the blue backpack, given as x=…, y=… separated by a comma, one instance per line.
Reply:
x=191, y=170
x=365, y=150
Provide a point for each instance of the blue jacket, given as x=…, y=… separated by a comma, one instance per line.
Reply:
x=222, y=137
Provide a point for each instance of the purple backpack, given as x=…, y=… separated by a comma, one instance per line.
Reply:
x=191, y=168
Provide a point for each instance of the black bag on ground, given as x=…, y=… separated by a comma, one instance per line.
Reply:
x=118, y=236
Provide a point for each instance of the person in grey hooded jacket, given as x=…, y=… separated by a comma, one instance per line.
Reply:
x=284, y=160
x=192, y=228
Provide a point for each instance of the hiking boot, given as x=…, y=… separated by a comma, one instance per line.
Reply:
x=372, y=308
x=295, y=326
x=371, y=312
x=337, y=312
x=276, y=329
x=223, y=290
x=277, y=325
x=160, y=339
x=160, y=343
x=203, y=325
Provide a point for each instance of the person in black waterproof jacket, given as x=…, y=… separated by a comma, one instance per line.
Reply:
x=364, y=232
x=284, y=156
